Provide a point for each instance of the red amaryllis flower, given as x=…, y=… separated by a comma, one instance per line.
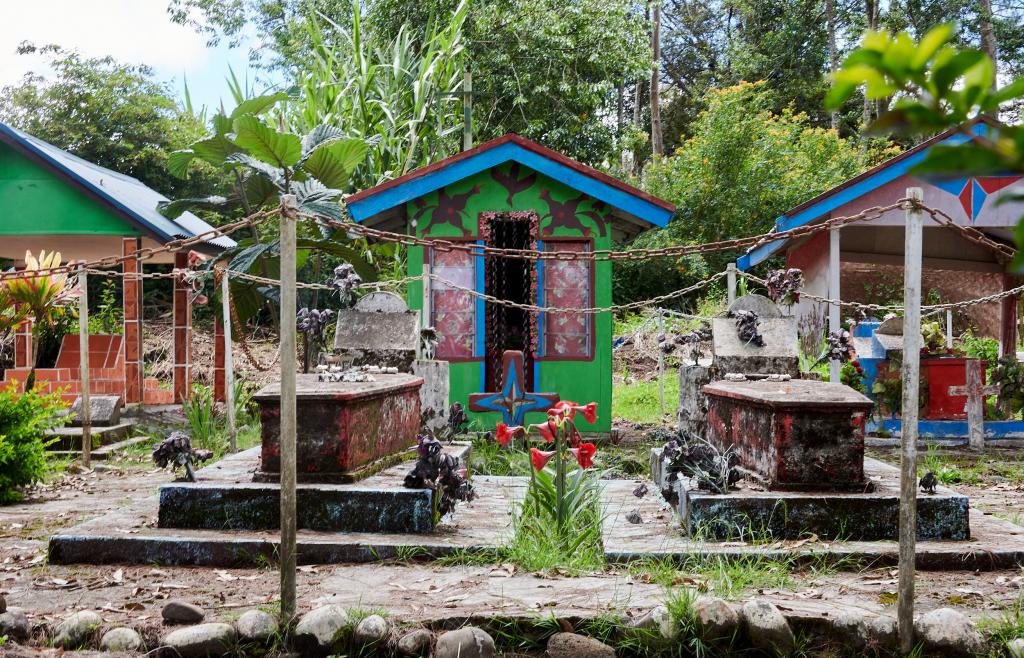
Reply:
x=540, y=458
x=546, y=430
x=589, y=411
x=855, y=363
x=563, y=409
x=585, y=454
x=503, y=433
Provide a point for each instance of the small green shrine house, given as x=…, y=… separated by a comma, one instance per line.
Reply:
x=516, y=194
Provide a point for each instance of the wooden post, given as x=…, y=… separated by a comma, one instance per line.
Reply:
x=661, y=363
x=976, y=392
x=730, y=277
x=834, y=319
x=467, y=110
x=229, y=365
x=83, y=364
x=949, y=327
x=289, y=210
x=908, y=460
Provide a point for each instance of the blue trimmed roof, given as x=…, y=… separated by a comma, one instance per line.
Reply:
x=131, y=198
x=625, y=198
x=846, y=192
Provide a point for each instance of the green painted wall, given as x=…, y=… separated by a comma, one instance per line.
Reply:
x=580, y=381
x=36, y=201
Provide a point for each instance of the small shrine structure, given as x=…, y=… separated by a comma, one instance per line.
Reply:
x=53, y=200
x=837, y=263
x=513, y=193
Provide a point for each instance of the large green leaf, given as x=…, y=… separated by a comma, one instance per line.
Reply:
x=272, y=173
x=174, y=209
x=260, y=191
x=215, y=150
x=266, y=144
x=319, y=136
x=178, y=162
x=258, y=105
x=332, y=164
x=362, y=267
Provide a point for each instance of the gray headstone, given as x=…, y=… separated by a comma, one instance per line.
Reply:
x=382, y=302
x=764, y=307
x=381, y=339
x=779, y=355
x=103, y=410
x=891, y=327
x=434, y=392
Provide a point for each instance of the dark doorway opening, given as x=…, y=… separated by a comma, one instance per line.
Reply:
x=505, y=327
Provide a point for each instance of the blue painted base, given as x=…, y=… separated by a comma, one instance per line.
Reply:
x=940, y=429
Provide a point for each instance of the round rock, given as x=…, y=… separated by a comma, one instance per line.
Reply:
x=415, y=643
x=716, y=618
x=466, y=642
x=949, y=632
x=571, y=645
x=320, y=628
x=177, y=611
x=766, y=627
x=201, y=640
x=121, y=639
x=74, y=631
x=660, y=619
x=1015, y=648
x=14, y=624
x=256, y=626
x=371, y=630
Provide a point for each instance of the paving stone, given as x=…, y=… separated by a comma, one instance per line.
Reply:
x=466, y=642
x=256, y=626
x=121, y=639
x=717, y=618
x=415, y=643
x=571, y=645
x=14, y=623
x=767, y=629
x=201, y=640
x=177, y=611
x=950, y=632
x=74, y=631
x=320, y=628
x=371, y=630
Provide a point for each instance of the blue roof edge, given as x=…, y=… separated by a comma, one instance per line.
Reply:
x=885, y=174
x=363, y=209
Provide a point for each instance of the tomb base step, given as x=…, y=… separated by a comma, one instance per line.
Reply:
x=226, y=498
x=70, y=437
x=107, y=451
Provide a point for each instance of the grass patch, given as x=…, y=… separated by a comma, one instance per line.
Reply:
x=489, y=458
x=1007, y=625
x=951, y=468
x=639, y=402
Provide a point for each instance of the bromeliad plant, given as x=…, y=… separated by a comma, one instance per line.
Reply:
x=562, y=490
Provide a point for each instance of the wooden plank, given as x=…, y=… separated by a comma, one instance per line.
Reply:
x=289, y=217
x=908, y=460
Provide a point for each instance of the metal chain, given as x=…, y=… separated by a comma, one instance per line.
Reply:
x=443, y=245
x=971, y=233
x=147, y=252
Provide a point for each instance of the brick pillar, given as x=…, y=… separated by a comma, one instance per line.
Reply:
x=182, y=333
x=1008, y=319
x=132, y=300
x=219, y=392
x=23, y=345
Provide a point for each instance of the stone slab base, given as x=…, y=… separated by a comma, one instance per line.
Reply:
x=750, y=514
x=70, y=437
x=223, y=499
x=107, y=451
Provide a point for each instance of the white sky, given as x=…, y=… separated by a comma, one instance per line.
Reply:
x=132, y=31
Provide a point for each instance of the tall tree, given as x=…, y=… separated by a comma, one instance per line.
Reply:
x=115, y=115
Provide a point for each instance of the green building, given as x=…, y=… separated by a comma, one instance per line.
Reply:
x=513, y=193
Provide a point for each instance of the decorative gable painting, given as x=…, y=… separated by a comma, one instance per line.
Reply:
x=511, y=193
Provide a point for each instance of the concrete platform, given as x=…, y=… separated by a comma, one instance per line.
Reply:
x=871, y=515
x=106, y=451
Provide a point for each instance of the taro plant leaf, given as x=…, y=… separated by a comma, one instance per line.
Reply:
x=222, y=124
x=354, y=256
x=266, y=144
x=174, y=209
x=260, y=191
x=178, y=162
x=313, y=191
x=247, y=257
x=332, y=164
x=258, y=105
x=320, y=135
x=270, y=171
x=215, y=150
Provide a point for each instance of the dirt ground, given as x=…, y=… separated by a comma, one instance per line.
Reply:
x=425, y=592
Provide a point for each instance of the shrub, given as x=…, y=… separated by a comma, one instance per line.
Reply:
x=24, y=420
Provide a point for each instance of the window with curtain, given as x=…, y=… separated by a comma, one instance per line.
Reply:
x=453, y=311
x=568, y=284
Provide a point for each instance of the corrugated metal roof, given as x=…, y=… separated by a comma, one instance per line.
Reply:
x=128, y=195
